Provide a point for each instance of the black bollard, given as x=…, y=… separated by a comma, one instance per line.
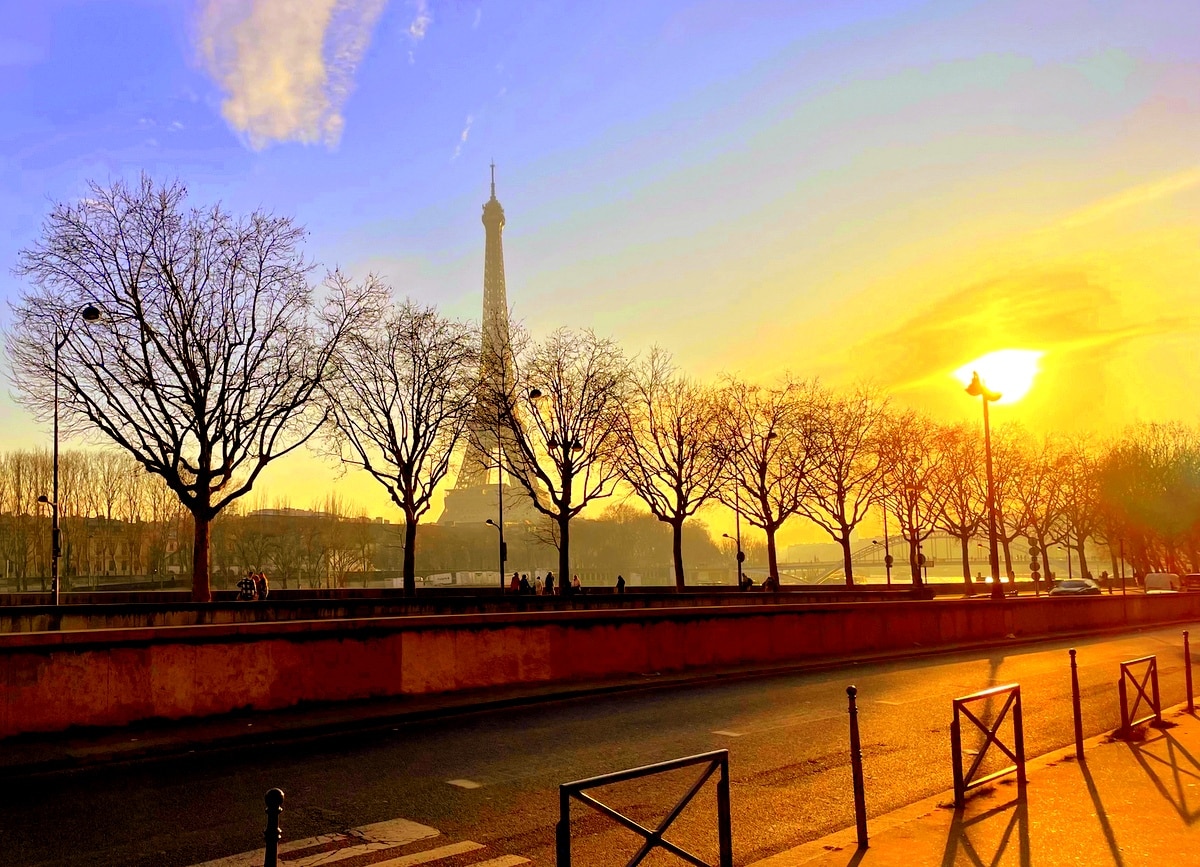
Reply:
x=273, y=834
x=1075, y=708
x=1187, y=672
x=856, y=767
x=562, y=831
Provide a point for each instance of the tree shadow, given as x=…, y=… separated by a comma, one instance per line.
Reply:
x=1015, y=818
x=1171, y=768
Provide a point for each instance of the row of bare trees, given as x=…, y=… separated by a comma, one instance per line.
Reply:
x=211, y=357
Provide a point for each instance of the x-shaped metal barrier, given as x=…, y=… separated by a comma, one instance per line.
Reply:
x=712, y=762
x=1129, y=717
x=991, y=737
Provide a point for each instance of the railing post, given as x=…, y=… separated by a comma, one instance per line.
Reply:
x=562, y=833
x=274, y=833
x=856, y=767
x=1019, y=737
x=960, y=794
x=1187, y=672
x=1154, y=687
x=1124, y=696
x=724, y=818
x=1075, y=707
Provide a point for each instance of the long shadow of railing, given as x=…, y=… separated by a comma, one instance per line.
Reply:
x=959, y=838
x=1172, y=769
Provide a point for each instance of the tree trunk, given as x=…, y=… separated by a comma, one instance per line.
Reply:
x=1083, y=563
x=1041, y=540
x=1008, y=569
x=564, y=550
x=201, y=590
x=914, y=567
x=772, y=556
x=847, y=561
x=677, y=553
x=964, y=542
x=410, y=557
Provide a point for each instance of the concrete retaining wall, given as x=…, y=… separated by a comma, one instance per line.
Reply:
x=52, y=681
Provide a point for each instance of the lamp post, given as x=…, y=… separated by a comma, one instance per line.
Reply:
x=89, y=313
x=978, y=389
x=740, y=558
x=503, y=545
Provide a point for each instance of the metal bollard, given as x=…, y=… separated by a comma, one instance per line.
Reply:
x=273, y=834
x=1187, y=672
x=1076, y=708
x=562, y=831
x=724, y=819
x=1124, y=696
x=856, y=767
x=960, y=792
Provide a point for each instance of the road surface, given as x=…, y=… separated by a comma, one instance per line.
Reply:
x=482, y=788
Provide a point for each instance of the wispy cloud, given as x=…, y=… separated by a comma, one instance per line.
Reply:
x=286, y=67
x=1162, y=188
x=462, y=137
x=421, y=20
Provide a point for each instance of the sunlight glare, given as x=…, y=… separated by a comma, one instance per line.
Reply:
x=1008, y=371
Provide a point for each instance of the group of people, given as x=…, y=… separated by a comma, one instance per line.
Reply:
x=521, y=585
x=253, y=586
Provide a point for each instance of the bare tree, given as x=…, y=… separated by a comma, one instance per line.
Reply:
x=402, y=393
x=670, y=456
x=1038, y=468
x=1079, y=507
x=563, y=416
x=767, y=453
x=845, y=471
x=911, y=452
x=960, y=476
x=205, y=361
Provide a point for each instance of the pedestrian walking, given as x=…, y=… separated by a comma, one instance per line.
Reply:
x=538, y=587
x=261, y=586
x=620, y=584
x=525, y=589
x=549, y=583
x=246, y=587
x=514, y=586
x=576, y=587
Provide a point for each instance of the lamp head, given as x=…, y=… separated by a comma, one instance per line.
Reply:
x=90, y=313
x=43, y=499
x=978, y=389
x=535, y=393
x=490, y=521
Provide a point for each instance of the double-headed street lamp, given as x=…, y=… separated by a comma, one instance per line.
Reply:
x=978, y=389
x=89, y=313
x=741, y=555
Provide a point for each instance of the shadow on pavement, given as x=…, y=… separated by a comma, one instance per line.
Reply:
x=970, y=835
x=1172, y=769
x=1109, y=837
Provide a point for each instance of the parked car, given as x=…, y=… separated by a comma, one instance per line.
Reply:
x=1075, y=587
x=1162, y=582
x=1191, y=581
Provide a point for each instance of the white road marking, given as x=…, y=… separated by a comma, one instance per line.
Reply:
x=368, y=838
x=728, y=734
x=430, y=855
x=503, y=861
x=891, y=703
x=465, y=784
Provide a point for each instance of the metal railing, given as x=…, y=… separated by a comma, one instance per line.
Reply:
x=1129, y=717
x=711, y=762
x=1012, y=701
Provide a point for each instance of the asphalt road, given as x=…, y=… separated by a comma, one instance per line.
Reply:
x=787, y=737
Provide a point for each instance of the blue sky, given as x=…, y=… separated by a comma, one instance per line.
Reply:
x=757, y=186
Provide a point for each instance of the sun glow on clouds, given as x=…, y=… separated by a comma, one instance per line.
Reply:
x=287, y=68
x=1008, y=371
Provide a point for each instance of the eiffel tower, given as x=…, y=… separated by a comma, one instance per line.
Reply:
x=474, y=497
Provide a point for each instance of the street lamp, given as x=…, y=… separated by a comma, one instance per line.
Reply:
x=1066, y=546
x=89, y=313
x=978, y=389
x=741, y=557
x=503, y=544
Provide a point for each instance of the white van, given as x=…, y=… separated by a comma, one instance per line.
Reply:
x=1162, y=582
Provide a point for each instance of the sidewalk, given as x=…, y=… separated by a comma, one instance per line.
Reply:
x=1128, y=804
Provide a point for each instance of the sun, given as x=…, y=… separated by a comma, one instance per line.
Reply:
x=1008, y=371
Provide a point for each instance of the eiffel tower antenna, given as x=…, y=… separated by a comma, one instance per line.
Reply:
x=493, y=179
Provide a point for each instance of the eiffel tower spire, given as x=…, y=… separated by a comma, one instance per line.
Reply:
x=473, y=497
